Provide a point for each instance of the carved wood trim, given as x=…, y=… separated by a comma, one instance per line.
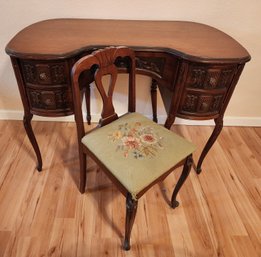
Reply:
x=153, y=64
x=210, y=78
x=203, y=104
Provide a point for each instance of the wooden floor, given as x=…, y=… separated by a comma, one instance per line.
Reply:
x=43, y=214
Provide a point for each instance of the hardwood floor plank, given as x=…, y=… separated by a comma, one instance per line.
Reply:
x=239, y=145
x=253, y=140
x=223, y=213
x=196, y=222
x=244, y=247
x=4, y=239
x=181, y=238
x=43, y=214
x=13, y=190
x=241, y=186
x=215, y=188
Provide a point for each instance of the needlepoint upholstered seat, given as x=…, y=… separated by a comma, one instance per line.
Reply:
x=136, y=150
x=132, y=150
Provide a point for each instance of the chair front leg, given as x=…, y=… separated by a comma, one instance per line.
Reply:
x=182, y=178
x=131, y=209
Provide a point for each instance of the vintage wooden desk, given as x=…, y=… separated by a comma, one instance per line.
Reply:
x=195, y=66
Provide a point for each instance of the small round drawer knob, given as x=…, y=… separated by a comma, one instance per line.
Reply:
x=204, y=106
x=213, y=82
x=48, y=101
x=43, y=76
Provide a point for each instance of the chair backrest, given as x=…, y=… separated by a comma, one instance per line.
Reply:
x=101, y=63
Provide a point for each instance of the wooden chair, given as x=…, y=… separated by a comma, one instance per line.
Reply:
x=132, y=150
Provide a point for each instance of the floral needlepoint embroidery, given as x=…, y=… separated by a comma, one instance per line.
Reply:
x=137, y=140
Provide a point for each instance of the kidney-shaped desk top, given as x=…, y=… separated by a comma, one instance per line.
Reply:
x=195, y=66
x=62, y=38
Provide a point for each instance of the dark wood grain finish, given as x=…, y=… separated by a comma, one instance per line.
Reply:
x=196, y=67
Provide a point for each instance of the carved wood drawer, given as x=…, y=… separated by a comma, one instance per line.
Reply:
x=47, y=87
x=209, y=77
x=50, y=100
x=44, y=73
x=201, y=104
x=205, y=90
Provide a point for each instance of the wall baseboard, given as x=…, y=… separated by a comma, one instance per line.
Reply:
x=228, y=120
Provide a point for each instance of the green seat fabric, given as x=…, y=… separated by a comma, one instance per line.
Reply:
x=136, y=150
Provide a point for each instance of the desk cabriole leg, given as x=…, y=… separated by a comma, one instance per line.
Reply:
x=211, y=141
x=27, y=114
x=29, y=131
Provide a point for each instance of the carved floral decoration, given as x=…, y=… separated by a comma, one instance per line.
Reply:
x=136, y=140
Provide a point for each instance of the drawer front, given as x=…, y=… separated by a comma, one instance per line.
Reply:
x=201, y=104
x=45, y=73
x=50, y=100
x=204, y=77
x=205, y=90
x=47, y=86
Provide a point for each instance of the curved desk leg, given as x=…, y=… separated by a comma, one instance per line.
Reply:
x=29, y=131
x=182, y=179
x=88, y=103
x=27, y=115
x=211, y=141
x=153, y=93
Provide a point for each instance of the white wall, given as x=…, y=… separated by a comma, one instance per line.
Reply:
x=239, y=18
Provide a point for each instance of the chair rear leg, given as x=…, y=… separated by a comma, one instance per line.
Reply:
x=153, y=92
x=131, y=209
x=82, y=157
x=182, y=178
x=88, y=103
